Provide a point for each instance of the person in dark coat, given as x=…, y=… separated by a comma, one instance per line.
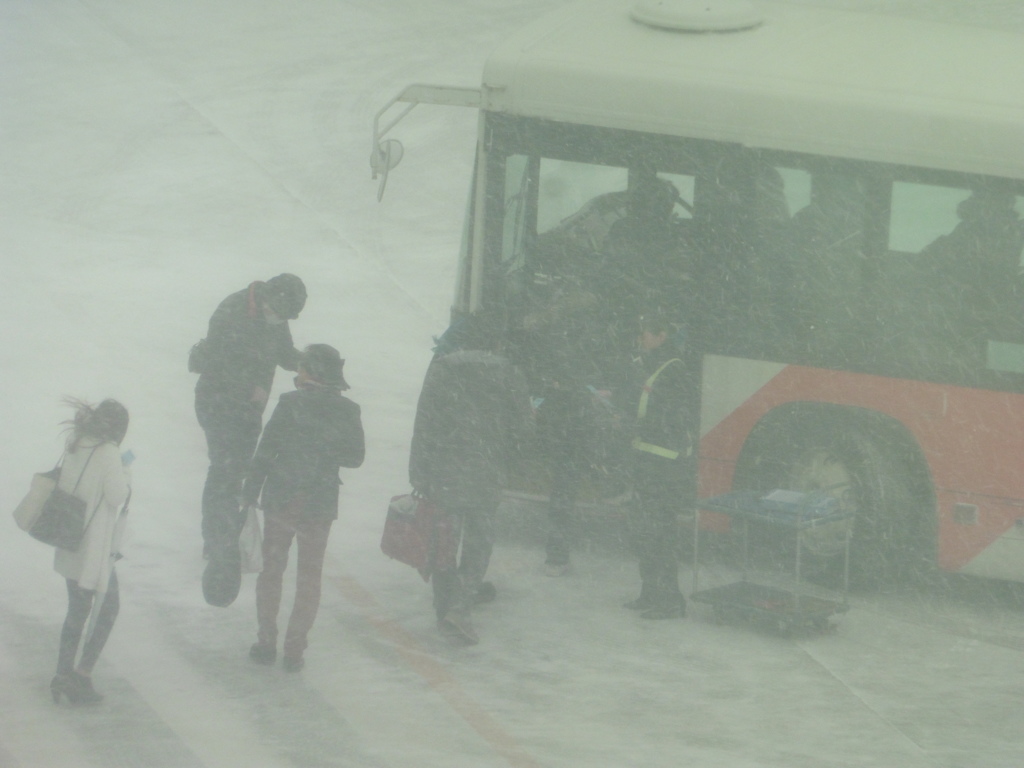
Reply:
x=248, y=339
x=559, y=350
x=313, y=431
x=980, y=261
x=473, y=412
x=662, y=466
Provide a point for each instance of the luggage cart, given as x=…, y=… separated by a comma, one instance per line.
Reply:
x=786, y=610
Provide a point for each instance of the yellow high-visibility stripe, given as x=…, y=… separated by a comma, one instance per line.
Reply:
x=645, y=394
x=657, y=450
x=641, y=413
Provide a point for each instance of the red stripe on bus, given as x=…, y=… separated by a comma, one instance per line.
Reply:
x=972, y=440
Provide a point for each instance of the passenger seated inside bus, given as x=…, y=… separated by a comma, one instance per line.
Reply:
x=624, y=249
x=822, y=249
x=609, y=222
x=747, y=267
x=580, y=236
x=987, y=215
x=643, y=262
x=979, y=262
x=989, y=235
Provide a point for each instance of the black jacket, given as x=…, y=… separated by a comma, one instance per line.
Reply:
x=312, y=432
x=473, y=413
x=241, y=352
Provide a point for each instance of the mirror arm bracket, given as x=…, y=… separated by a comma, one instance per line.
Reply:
x=386, y=155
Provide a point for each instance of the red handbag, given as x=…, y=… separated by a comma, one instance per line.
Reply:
x=418, y=533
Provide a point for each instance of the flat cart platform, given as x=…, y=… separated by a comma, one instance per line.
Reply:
x=784, y=609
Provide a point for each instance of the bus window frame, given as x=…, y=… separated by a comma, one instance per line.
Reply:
x=702, y=159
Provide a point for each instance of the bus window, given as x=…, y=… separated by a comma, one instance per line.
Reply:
x=771, y=270
x=833, y=219
x=607, y=246
x=649, y=258
x=921, y=213
x=571, y=195
x=954, y=260
x=685, y=187
x=796, y=187
x=598, y=223
x=807, y=277
x=554, y=231
x=987, y=233
x=516, y=209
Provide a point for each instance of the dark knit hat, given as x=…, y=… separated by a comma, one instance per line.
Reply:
x=324, y=364
x=286, y=295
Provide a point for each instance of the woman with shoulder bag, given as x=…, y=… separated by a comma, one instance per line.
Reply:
x=94, y=471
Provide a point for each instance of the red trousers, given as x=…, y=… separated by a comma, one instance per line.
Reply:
x=311, y=537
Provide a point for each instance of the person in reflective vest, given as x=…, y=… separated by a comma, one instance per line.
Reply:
x=662, y=466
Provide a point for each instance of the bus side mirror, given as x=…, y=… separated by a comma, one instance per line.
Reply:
x=385, y=156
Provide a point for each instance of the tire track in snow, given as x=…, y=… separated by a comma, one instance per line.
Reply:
x=851, y=690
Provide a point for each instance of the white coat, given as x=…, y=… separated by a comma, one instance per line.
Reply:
x=104, y=486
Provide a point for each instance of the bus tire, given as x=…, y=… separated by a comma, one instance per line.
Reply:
x=874, y=469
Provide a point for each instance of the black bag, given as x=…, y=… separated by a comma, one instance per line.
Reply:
x=63, y=523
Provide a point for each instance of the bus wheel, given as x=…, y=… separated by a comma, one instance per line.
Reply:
x=864, y=469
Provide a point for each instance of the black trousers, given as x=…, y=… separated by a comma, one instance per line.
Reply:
x=231, y=439
x=655, y=541
x=662, y=493
x=79, y=605
x=473, y=511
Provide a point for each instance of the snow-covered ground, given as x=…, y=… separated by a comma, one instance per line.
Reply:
x=157, y=155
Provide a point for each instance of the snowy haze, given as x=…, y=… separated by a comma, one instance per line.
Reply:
x=157, y=155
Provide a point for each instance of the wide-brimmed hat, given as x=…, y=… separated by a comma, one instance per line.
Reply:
x=324, y=364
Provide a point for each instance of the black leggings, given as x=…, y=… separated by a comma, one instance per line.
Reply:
x=79, y=606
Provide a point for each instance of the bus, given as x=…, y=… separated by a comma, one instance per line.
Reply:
x=834, y=199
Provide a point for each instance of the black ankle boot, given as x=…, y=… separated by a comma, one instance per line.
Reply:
x=669, y=608
x=63, y=685
x=641, y=603
x=75, y=687
x=263, y=654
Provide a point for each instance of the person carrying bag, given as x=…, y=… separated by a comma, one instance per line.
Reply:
x=93, y=471
x=472, y=416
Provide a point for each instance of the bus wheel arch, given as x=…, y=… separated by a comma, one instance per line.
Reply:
x=867, y=459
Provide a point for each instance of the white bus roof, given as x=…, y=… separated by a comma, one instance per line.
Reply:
x=808, y=79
